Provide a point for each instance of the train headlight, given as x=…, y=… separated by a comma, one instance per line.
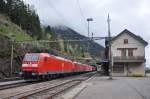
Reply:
x=24, y=65
x=34, y=65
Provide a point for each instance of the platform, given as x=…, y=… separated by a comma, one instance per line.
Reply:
x=119, y=88
x=11, y=82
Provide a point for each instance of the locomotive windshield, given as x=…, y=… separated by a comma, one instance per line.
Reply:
x=31, y=57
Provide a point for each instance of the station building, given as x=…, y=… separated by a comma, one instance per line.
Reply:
x=128, y=54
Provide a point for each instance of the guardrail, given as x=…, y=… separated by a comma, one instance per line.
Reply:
x=129, y=58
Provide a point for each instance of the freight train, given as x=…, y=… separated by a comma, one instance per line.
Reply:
x=45, y=66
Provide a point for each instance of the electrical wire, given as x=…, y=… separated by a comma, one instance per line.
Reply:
x=82, y=15
x=58, y=13
x=63, y=19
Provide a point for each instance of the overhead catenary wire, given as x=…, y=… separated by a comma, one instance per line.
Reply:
x=62, y=18
x=58, y=13
x=82, y=15
x=70, y=40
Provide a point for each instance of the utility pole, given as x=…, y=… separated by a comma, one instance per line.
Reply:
x=109, y=44
x=12, y=55
x=92, y=35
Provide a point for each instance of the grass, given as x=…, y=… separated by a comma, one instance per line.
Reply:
x=11, y=30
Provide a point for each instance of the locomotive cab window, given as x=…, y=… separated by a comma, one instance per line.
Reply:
x=31, y=57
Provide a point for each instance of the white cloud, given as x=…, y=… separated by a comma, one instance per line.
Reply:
x=143, y=9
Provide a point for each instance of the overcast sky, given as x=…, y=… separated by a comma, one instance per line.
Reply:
x=133, y=15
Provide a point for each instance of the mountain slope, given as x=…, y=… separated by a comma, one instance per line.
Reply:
x=66, y=33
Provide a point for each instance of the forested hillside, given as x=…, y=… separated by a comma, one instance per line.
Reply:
x=67, y=33
x=20, y=23
x=22, y=15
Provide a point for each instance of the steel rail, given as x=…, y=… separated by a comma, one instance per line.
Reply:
x=50, y=92
x=3, y=87
x=62, y=85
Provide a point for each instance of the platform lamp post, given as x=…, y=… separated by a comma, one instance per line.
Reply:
x=109, y=44
x=88, y=20
x=12, y=54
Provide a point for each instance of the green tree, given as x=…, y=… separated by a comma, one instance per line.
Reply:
x=23, y=16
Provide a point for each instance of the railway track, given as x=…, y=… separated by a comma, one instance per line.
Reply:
x=14, y=85
x=49, y=89
x=2, y=87
x=47, y=92
x=11, y=79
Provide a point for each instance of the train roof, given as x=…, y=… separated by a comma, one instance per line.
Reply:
x=60, y=58
x=79, y=63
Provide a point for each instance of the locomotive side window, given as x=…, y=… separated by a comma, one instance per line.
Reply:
x=31, y=58
x=45, y=59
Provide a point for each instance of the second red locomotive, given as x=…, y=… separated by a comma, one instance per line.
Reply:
x=44, y=66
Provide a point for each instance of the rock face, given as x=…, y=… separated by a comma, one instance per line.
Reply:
x=4, y=56
x=4, y=67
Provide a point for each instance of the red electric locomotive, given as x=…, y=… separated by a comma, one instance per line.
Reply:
x=44, y=66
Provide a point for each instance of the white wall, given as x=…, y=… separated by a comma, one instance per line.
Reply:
x=132, y=43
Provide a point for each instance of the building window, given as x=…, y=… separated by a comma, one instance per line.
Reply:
x=125, y=41
x=130, y=52
x=118, y=68
x=123, y=52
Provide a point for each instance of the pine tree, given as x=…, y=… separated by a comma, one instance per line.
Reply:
x=23, y=16
x=2, y=6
